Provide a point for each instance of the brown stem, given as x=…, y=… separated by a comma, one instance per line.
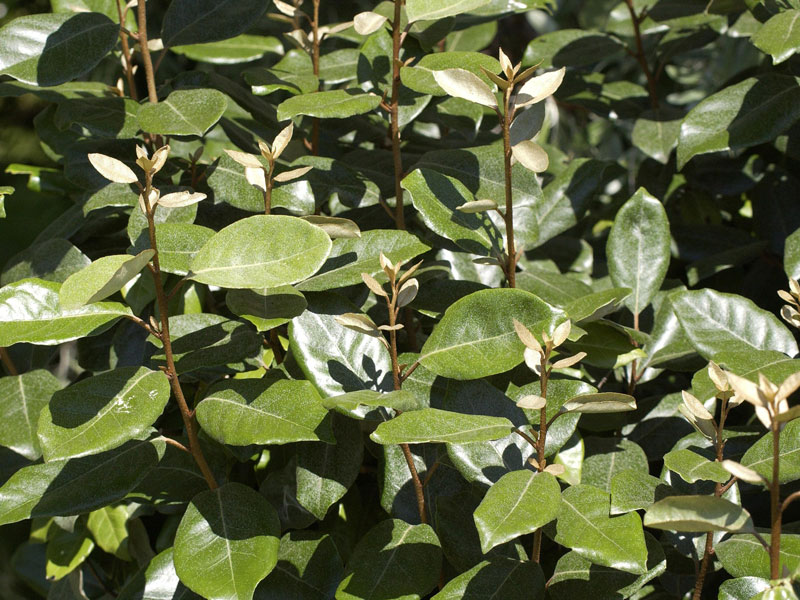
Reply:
x=718, y=491
x=399, y=216
x=639, y=55
x=540, y=442
x=172, y=374
x=148, y=63
x=791, y=498
x=511, y=265
x=407, y=373
x=143, y=324
x=418, y=489
x=126, y=54
x=526, y=437
x=9, y=364
x=176, y=443
x=315, y=43
x=775, y=506
x=268, y=190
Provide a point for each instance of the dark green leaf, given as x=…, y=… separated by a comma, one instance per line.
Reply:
x=693, y=467
x=420, y=77
x=183, y=112
x=202, y=21
x=350, y=404
x=571, y=48
x=697, y=513
x=333, y=104
x=156, y=580
x=239, y=49
x=53, y=260
x=605, y=457
x=656, y=132
x=22, y=398
x=743, y=555
x=227, y=542
x=293, y=73
x=634, y=490
x=267, y=308
x=435, y=425
x=759, y=456
x=780, y=36
x=497, y=578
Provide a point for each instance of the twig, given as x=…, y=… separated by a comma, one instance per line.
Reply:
x=148, y=63
x=525, y=436
x=126, y=53
x=175, y=443
x=399, y=216
x=407, y=373
x=639, y=55
x=511, y=262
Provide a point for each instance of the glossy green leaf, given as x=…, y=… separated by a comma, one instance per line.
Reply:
x=240, y=49
x=638, y=249
x=102, y=278
x=437, y=197
x=335, y=359
x=779, y=36
x=267, y=308
x=435, y=425
x=574, y=576
x=108, y=527
x=476, y=335
x=22, y=398
x=719, y=322
x=697, y=513
x=747, y=363
x=72, y=486
x=496, y=578
x=759, y=456
x=30, y=311
x=202, y=21
x=605, y=457
x=745, y=114
x=309, y=568
x=350, y=403
x=262, y=251
x=333, y=104
x=51, y=260
x=102, y=412
x=633, y=489
x=157, y=580
x=183, y=112
x=656, y=132
x=518, y=503
x=693, y=467
x=66, y=550
x=349, y=257
x=743, y=555
x=99, y=117
x=420, y=77
x=227, y=542
x=293, y=73
x=338, y=66
x=50, y=49
x=392, y=560
x=240, y=412
x=742, y=588
x=571, y=48
x=427, y=10
x=584, y=525
x=326, y=471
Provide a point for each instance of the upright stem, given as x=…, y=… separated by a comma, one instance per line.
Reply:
x=315, y=64
x=639, y=55
x=268, y=190
x=148, y=63
x=775, y=506
x=163, y=310
x=511, y=251
x=540, y=443
x=126, y=53
x=419, y=490
x=394, y=109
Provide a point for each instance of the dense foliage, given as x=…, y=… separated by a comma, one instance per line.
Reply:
x=439, y=299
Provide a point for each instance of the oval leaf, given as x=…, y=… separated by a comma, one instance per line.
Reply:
x=183, y=112
x=435, y=425
x=696, y=514
x=103, y=277
x=333, y=104
x=202, y=21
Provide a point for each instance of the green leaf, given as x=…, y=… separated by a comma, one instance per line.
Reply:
x=227, y=542
x=638, y=249
x=743, y=555
x=99, y=117
x=718, y=322
x=656, y=132
x=605, y=457
x=102, y=278
x=293, y=73
x=600, y=402
x=584, y=526
x=178, y=243
x=156, y=581
x=635, y=490
x=476, y=336
x=108, y=527
x=742, y=588
x=350, y=403
x=102, y=412
x=262, y=251
x=693, y=467
x=393, y=560
x=240, y=412
x=499, y=577
x=791, y=255
x=30, y=311
x=50, y=49
x=72, y=486
x=349, y=257
x=309, y=568
x=697, y=513
x=748, y=363
x=202, y=21
x=420, y=77
x=202, y=340
x=22, y=398
x=267, y=308
x=333, y=104
x=745, y=114
x=240, y=49
x=779, y=36
x=759, y=456
x=574, y=576
x=571, y=48
x=66, y=550
x=183, y=112
x=338, y=66
x=326, y=471
x=428, y=10
x=335, y=359
x=437, y=198
x=519, y=502
x=435, y=425
x=52, y=260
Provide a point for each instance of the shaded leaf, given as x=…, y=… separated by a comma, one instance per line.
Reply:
x=183, y=112
x=435, y=425
x=22, y=398
x=697, y=513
